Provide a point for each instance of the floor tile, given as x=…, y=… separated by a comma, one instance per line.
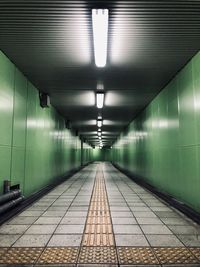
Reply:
x=190, y=240
x=163, y=241
x=167, y=214
x=36, y=209
x=126, y=229
x=76, y=214
x=184, y=229
x=119, y=208
x=144, y=214
x=131, y=240
x=142, y=209
x=175, y=221
x=65, y=240
x=8, y=240
x=64, y=208
x=54, y=213
x=41, y=229
x=165, y=208
x=119, y=214
x=10, y=229
x=69, y=229
x=48, y=220
x=32, y=213
x=149, y=221
x=124, y=220
x=22, y=220
x=79, y=208
x=156, y=229
x=32, y=241
x=72, y=220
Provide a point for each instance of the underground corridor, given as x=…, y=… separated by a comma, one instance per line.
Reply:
x=99, y=133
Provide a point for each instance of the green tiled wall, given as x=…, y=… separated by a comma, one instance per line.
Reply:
x=162, y=144
x=35, y=147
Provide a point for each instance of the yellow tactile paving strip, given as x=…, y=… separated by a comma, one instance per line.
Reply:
x=98, y=255
x=136, y=255
x=175, y=256
x=98, y=244
x=16, y=256
x=196, y=252
x=64, y=255
x=98, y=230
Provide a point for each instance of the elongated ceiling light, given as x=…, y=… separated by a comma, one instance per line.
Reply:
x=100, y=100
x=99, y=123
x=100, y=35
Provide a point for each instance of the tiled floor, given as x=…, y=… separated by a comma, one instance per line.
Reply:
x=100, y=217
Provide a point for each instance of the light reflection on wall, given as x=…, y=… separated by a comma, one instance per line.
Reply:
x=6, y=102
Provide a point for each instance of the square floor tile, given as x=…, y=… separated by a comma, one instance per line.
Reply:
x=190, y=240
x=10, y=229
x=65, y=240
x=131, y=240
x=79, y=208
x=184, y=229
x=72, y=220
x=48, y=220
x=32, y=213
x=119, y=214
x=175, y=221
x=64, y=208
x=167, y=214
x=149, y=221
x=156, y=229
x=70, y=229
x=144, y=214
x=54, y=213
x=36, y=209
x=124, y=220
x=41, y=229
x=136, y=204
x=22, y=220
x=163, y=241
x=8, y=240
x=32, y=241
x=126, y=229
x=119, y=208
x=76, y=214
x=142, y=209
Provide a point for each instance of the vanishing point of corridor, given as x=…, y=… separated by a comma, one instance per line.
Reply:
x=99, y=216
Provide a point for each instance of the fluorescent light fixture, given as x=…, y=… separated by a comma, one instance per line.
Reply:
x=99, y=130
x=100, y=100
x=99, y=134
x=100, y=86
x=100, y=35
x=99, y=123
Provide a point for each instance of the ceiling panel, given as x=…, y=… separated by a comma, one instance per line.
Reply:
x=51, y=42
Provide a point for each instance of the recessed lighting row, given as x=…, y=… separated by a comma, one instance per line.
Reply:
x=100, y=39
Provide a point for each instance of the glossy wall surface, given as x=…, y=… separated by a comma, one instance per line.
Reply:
x=35, y=146
x=162, y=144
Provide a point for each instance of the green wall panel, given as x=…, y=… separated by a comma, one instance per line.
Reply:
x=162, y=144
x=35, y=146
x=7, y=71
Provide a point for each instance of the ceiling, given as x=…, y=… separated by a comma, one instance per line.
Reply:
x=51, y=43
